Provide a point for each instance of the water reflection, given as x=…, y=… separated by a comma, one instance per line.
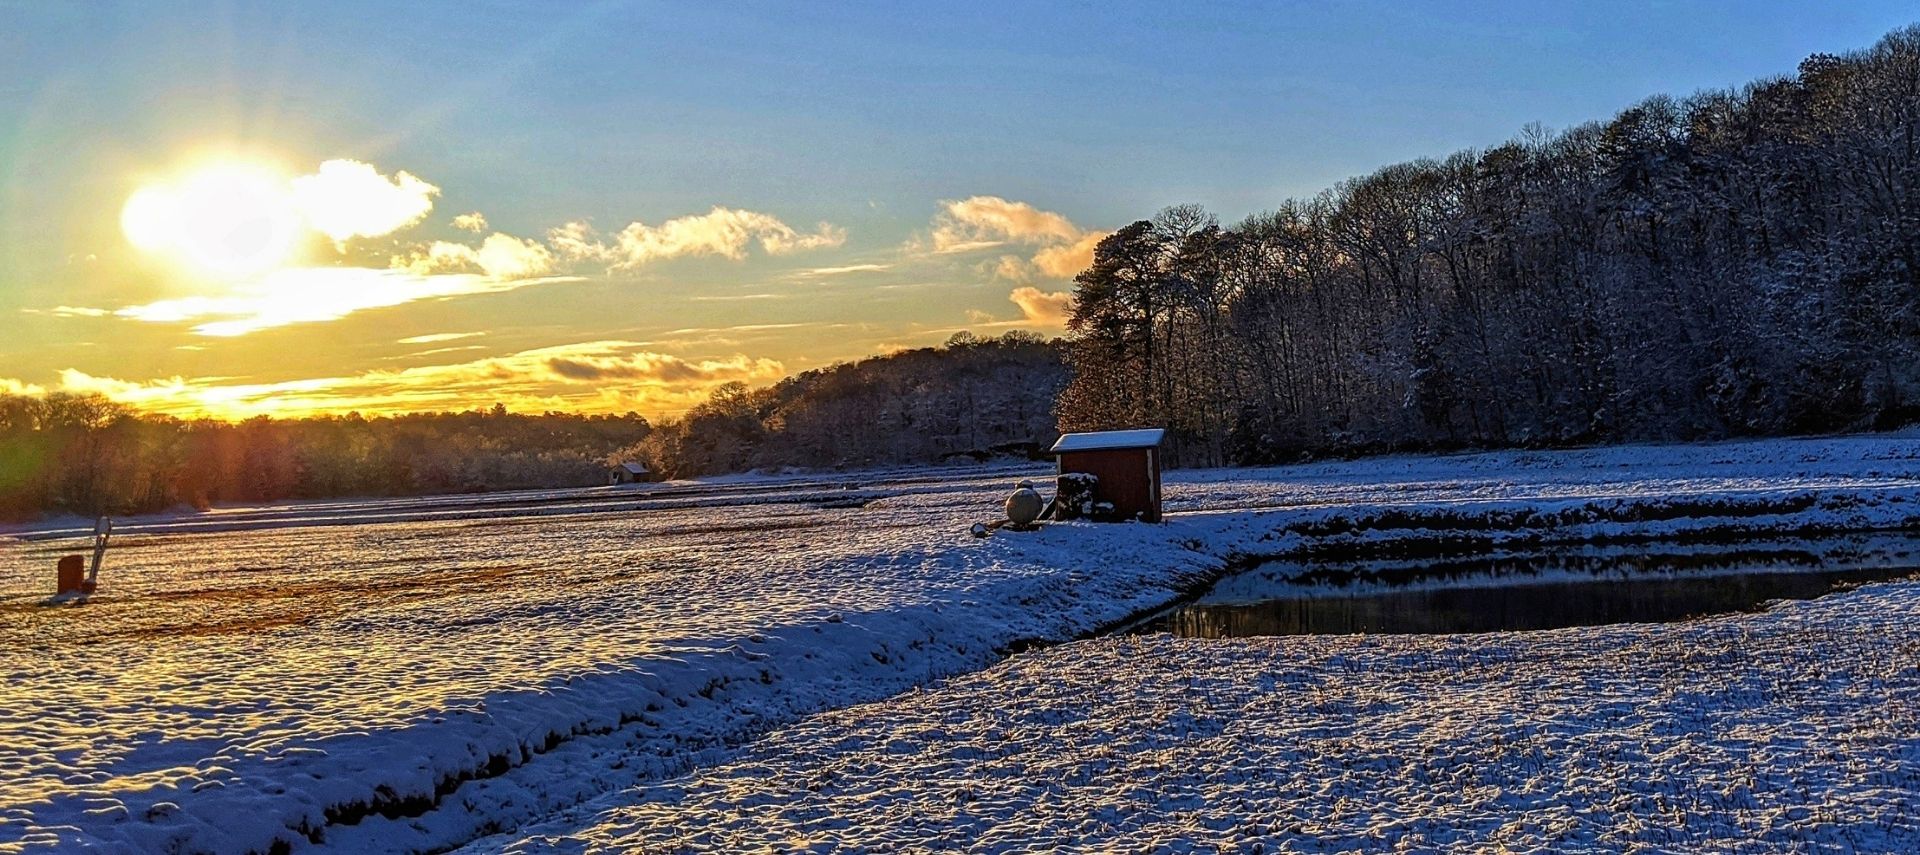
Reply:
x=1525, y=591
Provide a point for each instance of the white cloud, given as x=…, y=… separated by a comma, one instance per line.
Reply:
x=416, y=355
x=745, y=328
x=434, y=338
x=725, y=232
x=11, y=386
x=471, y=222
x=740, y=298
x=346, y=199
x=507, y=257
x=500, y=256
x=818, y=272
x=309, y=294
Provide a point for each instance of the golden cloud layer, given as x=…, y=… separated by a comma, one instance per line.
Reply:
x=598, y=376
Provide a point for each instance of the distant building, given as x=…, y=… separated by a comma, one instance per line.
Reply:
x=628, y=473
x=1127, y=464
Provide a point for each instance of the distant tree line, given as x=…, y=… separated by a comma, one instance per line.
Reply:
x=1734, y=263
x=87, y=455
x=971, y=399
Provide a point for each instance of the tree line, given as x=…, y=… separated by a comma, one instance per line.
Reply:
x=971, y=399
x=87, y=455
x=1735, y=263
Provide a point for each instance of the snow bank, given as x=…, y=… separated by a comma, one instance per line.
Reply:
x=372, y=678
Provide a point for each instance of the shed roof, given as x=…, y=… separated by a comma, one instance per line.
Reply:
x=635, y=468
x=1107, y=440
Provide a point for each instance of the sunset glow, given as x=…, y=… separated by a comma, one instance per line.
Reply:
x=225, y=220
x=631, y=426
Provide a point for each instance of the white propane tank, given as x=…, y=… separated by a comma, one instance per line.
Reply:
x=1024, y=506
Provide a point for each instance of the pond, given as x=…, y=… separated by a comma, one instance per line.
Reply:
x=1548, y=589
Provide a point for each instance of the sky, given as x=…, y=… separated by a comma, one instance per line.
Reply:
x=237, y=209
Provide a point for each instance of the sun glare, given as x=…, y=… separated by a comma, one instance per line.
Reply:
x=227, y=220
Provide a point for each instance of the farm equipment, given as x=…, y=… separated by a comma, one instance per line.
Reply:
x=1026, y=508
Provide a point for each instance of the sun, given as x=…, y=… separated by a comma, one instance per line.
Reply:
x=228, y=220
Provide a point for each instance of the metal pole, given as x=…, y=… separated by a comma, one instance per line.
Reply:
x=102, y=529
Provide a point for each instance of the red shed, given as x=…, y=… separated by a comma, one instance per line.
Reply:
x=1127, y=462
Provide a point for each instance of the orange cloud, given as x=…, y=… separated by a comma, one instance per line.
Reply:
x=985, y=222
x=988, y=220
x=1043, y=308
x=1067, y=260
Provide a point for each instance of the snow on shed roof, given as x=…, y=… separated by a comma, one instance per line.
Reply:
x=635, y=468
x=1107, y=440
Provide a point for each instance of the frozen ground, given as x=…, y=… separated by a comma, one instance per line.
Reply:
x=370, y=676
x=1788, y=731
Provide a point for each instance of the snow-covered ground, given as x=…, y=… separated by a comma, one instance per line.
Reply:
x=414, y=674
x=1789, y=731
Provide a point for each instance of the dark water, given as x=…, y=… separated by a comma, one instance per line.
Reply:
x=1543, y=590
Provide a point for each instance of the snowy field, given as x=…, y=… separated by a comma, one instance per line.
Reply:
x=1788, y=731
x=417, y=674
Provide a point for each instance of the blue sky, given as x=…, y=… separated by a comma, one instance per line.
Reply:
x=864, y=116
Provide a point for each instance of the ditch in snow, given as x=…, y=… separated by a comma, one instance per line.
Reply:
x=1546, y=589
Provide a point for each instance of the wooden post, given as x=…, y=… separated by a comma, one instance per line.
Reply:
x=71, y=575
x=102, y=529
